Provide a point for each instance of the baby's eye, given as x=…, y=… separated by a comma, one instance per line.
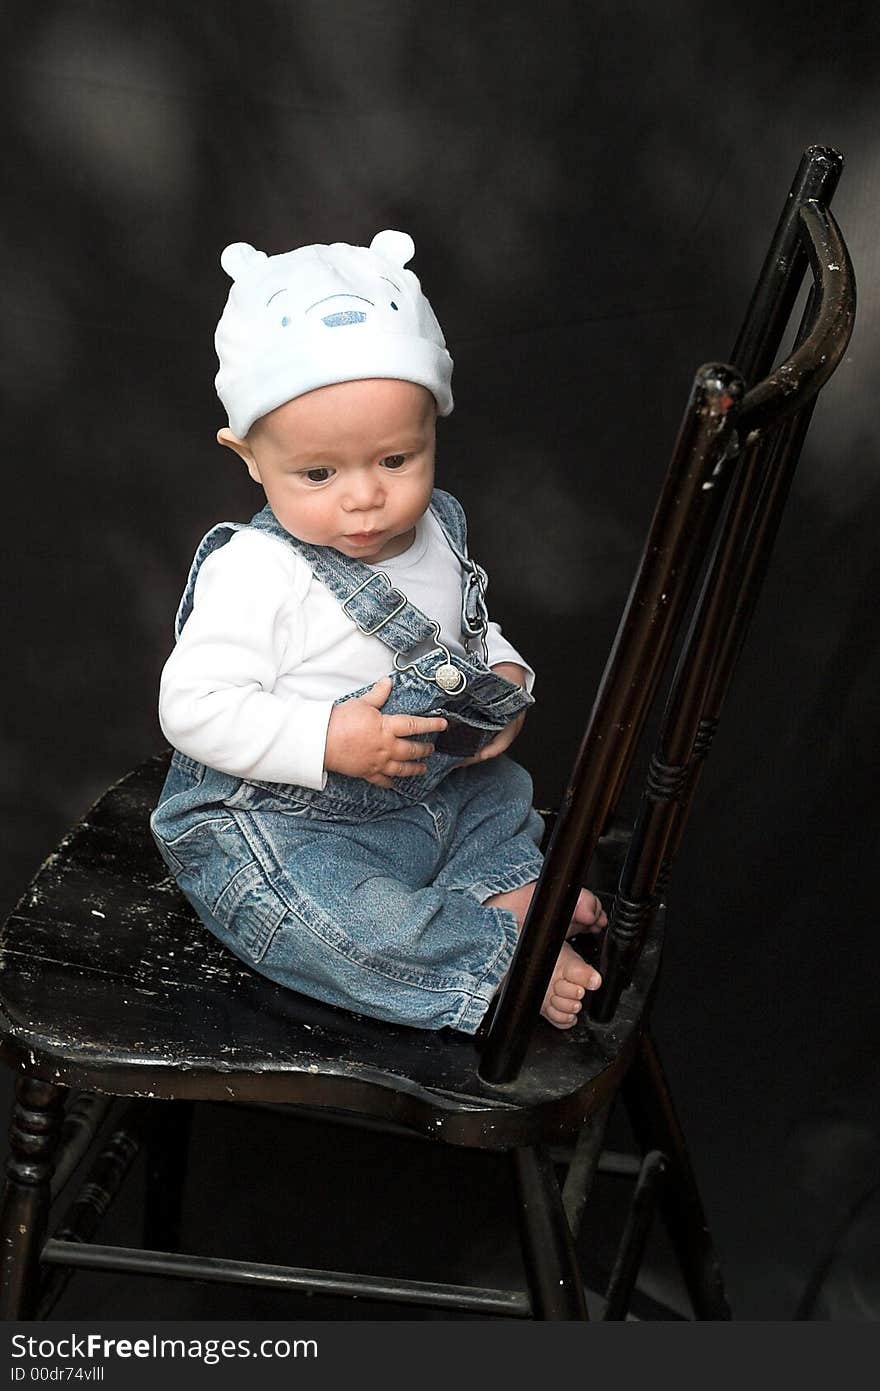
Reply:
x=394, y=461
x=317, y=475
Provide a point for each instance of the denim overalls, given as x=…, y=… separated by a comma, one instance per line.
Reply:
x=363, y=896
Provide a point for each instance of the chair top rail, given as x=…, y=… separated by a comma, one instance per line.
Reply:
x=783, y=269
x=785, y=390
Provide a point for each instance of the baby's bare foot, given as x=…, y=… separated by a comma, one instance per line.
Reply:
x=571, y=978
x=588, y=916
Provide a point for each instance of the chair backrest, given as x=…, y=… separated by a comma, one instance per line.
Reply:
x=706, y=554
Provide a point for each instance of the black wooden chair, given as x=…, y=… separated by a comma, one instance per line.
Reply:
x=111, y=989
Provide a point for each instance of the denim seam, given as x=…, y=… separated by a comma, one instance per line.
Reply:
x=492, y=976
x=439, y=820
x=524, y=873
x=261, y=926
x=168, y=856
x=188, y=765
x=229, y=889
x=264, y=855
x=206, y=821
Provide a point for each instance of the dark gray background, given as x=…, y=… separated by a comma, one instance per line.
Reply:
x=591, y=188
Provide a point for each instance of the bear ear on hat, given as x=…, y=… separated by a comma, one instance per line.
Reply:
x=239, y=258
x=398, y=247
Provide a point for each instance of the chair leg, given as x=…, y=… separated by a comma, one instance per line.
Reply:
x=582, y=1168
x=83, y=1217
x=551, y=1263
x=631, y=1250
x=33, y=1138
x=656, y=1127
x=169, y=1124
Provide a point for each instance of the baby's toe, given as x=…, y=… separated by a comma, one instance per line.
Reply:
x=567, y=989
x=560, y=1018
x=578, y=972
x=564, y=1003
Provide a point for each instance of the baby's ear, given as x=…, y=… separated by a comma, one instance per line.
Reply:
x=239, y=258
x=242, y=449
x=225, y=436
x=397, y=247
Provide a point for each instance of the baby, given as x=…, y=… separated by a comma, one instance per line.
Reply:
x=355, y=835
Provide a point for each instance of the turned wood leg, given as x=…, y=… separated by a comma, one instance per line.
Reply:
x=552, y=1270
x=33, y=1138
x=656, y=1127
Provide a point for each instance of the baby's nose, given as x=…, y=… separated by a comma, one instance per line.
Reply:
x=364, y=490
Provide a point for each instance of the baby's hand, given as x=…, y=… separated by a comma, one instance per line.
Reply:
x=364, y=743
x=511, y=671
x=502, y=741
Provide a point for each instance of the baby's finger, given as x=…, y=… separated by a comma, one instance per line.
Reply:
x=379, y=780
x=402, y=725
x=378, y=694
x=501, y=742
x=405, y=750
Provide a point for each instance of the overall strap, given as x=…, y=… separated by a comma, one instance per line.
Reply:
x=215, y=538
x=367, y=595
x=474, y=583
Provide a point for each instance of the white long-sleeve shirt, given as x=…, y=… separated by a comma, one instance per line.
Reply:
x=267, y=650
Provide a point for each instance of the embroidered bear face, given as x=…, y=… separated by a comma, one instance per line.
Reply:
x=330, y=287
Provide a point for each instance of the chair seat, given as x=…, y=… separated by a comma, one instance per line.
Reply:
x=103, y=924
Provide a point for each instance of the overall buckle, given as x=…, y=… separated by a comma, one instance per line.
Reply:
x=447, y=676
x=392, y=592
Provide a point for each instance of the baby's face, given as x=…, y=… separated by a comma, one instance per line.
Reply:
x=349, y=465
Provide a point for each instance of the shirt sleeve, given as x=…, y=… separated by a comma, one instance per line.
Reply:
x=500, y=650
x=216, y=697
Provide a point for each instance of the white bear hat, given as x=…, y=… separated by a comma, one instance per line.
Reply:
x=324, y=314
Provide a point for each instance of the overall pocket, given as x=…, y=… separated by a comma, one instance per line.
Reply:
x=217, y=870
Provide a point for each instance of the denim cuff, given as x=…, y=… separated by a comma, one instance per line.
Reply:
x=503, y=880
x=476, y=1005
